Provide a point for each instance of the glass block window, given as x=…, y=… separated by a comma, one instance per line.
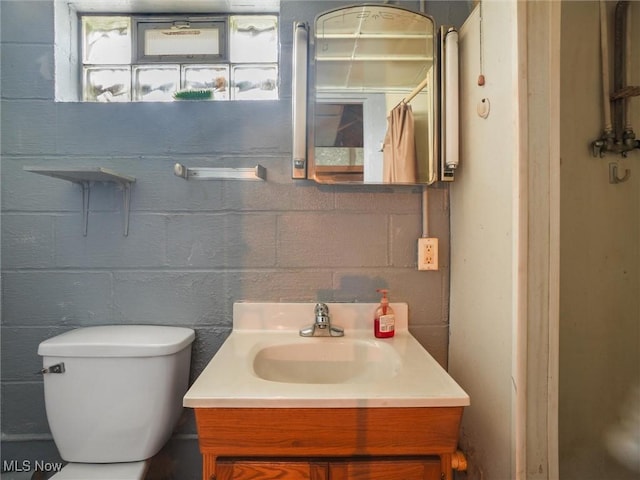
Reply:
x=253, y=38
x=168, y=58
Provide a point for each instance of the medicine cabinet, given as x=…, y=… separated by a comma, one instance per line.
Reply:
x=369, y=97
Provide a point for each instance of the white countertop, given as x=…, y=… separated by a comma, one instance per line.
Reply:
x=229, y=380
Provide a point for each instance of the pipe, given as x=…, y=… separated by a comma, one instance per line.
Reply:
x=618, y=136
x=604, y=34
x=627, y=69
x=425, y=212
x=459, y=461
x=619, y=67
x=625, y=136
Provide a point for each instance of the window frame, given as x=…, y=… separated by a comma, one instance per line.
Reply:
x=142, y=23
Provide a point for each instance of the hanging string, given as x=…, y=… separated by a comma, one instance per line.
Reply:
x=481, y=76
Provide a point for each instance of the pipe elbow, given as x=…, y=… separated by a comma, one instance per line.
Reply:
x=459, y=461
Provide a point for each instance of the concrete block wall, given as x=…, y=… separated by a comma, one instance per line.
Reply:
x=194, y=248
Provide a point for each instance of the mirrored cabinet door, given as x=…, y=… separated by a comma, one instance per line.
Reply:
x=372, y=109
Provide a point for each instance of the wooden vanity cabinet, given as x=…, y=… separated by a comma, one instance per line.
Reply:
x=428, y=468
x=386, y=469
x=289, y=469
x=328, y=443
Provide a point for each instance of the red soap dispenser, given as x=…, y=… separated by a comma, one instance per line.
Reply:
x=384, y=322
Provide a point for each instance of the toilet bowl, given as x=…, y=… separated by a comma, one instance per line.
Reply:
x=113, y=395
x=103, y=471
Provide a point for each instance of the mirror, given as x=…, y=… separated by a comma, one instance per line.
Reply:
x=371, y=115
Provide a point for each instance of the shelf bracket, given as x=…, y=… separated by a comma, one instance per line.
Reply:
x=85, y=177
x=86, y=191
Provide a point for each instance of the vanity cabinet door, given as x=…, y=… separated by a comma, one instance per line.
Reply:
x=391, y=469
x=229, y=469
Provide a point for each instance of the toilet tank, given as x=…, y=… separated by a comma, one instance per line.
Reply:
x=120, y=395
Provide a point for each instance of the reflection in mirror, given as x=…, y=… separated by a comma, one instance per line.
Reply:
x=339, y=125
x=339, y=142
x=348, y=162
x=366, y=61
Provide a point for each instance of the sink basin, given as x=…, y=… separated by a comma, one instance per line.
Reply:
x=265, y=363
x=327, y=361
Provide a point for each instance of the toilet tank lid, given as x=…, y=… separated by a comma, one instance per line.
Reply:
x=118, y=341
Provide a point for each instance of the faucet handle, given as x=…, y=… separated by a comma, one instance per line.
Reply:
x=322, y=324
x=322, y=310
x=322, y=315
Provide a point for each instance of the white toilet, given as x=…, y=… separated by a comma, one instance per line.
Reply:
x=113, y=395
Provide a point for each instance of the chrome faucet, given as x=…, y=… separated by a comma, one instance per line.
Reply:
x=322, y=326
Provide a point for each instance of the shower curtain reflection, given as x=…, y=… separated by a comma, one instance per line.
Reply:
x=399, y=150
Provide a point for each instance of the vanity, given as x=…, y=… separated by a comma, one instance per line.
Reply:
x=274, y=404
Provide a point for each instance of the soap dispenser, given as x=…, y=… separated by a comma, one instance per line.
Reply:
x=384, y=322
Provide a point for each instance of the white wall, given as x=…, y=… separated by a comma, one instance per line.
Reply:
x=542, y=245
x=484, y=243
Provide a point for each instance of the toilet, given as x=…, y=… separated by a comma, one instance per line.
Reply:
x=113, y=395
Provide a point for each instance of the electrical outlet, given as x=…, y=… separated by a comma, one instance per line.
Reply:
x=427, y=254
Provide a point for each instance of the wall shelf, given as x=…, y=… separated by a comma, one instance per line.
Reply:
x=85, y=177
